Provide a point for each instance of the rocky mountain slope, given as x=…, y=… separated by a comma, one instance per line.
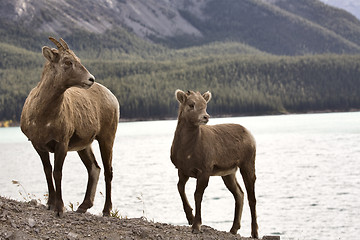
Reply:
x=352, y=6
x=341, y=22
x=273, y=26
x=137, y=48
x=153, y=17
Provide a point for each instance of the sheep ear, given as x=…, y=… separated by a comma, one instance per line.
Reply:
x=180, y=96
x=207, y=96
x=51, y=55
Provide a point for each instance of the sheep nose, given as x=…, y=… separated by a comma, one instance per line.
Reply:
x=92, y=79
x=206, y=117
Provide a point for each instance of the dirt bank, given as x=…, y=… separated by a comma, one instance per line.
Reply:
x=30, y=220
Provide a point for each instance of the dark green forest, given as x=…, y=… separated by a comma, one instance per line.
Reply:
x=241, y=84
x=255, y=58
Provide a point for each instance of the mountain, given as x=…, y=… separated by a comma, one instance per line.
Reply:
x=341, y=22
x=256, y=56
x=264, y=25
x=352, y=6
x=151, y=17
x=283, y=27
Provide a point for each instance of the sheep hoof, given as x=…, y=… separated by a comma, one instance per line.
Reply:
x=106, y=214
x=196, y=231
x=81, y=210
x=233, y=231
x=59, y=214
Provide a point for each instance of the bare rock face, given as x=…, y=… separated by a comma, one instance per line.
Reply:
x=161, y=18
x=300, y=25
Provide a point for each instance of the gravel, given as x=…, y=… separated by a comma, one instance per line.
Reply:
x=31, y=220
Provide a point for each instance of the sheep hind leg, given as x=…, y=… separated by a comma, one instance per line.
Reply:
x=106, y=155
x=93, y=169
x=249, y=177
x=181, y=188
x=234, y=187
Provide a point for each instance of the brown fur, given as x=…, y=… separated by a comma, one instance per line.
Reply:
x=67, y=111
x=201, y=151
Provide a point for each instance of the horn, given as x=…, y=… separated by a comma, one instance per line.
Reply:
x=64, y=44
x=59, y=46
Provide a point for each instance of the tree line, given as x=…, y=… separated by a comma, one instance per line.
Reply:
x=240, y=84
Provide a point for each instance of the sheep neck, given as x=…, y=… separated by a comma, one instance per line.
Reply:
x=187, y=133
x=49, y=94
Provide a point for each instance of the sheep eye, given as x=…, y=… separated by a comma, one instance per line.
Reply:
x=68, y=63
x=191, y=105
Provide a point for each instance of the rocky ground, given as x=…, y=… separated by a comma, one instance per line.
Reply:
x=30, y=220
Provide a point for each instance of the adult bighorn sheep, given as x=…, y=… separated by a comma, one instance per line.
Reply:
x=201, y=151
x=65, y=112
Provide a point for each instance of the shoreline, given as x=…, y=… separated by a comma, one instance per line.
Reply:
x=11, y=123
x=31, y=220
x=241, y=115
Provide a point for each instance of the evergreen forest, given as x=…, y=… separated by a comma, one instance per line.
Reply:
x=241, y=84
x=255, y=56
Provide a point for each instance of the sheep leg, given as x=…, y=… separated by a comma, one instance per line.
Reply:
x=234, y=187
x=249, y=177
x=45, y=159
x=106, y=155
x=201, y=184
x=93, y=169
x=60, y=154
x=181, y=188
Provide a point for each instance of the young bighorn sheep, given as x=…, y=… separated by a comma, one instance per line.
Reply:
x=201, y=151
x=65, y=112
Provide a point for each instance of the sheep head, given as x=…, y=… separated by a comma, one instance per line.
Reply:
x=193, y=106
x=67, y=65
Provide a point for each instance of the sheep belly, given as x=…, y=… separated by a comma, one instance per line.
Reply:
x=78, y=143
x=218, y=171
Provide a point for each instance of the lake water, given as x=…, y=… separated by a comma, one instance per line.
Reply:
x=307, y=166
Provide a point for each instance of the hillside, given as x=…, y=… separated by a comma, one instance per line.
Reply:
x=352, y=6
x=341, y=22
x=273, y=26
x=241, y=84
x=270, y=28
x=141, y=49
